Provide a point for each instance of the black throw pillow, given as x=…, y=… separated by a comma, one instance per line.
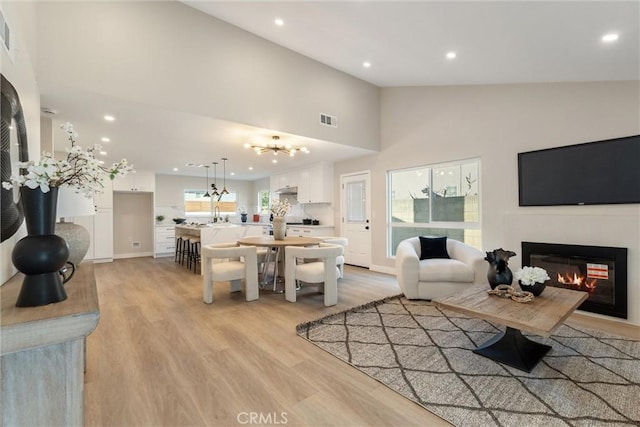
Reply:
x=433, y=247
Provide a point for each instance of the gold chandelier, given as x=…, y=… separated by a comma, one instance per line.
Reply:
x=275, y=148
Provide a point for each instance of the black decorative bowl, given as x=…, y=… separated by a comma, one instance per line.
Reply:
x=535, y=289
x=179, y=220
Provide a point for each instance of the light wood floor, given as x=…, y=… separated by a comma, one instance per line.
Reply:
x=161, y=357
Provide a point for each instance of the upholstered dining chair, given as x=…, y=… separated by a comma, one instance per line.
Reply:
x=323, y=272
x=228, y=262
x=341, y=241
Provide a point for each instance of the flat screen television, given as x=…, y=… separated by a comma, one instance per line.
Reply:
x=594, y=173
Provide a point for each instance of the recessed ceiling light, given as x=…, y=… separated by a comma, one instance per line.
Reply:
x=109, y=118
x=366, y=64
x=250, y=168
x=104, y=153
x=610, y=37
x=101, y=162
x=105, y=139
x=451, y=55
x=274, y=161
x=279, y=22
x=176, y=169
x=232, y=173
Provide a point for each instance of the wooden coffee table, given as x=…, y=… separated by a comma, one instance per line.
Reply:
x=541, y=317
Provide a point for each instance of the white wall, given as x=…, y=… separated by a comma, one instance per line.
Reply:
x=132, y=222
x=426, y=125
x=21, y=74
x=182, y=59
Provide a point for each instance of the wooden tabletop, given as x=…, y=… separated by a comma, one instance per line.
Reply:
x=29, y=327
x=540, y=316
x=269, y=241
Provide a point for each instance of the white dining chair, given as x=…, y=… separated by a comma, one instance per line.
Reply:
x=323, y=272
x=341, y=241
x=228, y=262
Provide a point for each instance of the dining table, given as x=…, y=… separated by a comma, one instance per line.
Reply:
x=276, y=246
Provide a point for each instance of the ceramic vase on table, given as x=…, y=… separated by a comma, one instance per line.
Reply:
x=536, y=289
x=42, y=254
x=279, y=228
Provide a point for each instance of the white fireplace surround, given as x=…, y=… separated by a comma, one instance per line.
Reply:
x=572, y=228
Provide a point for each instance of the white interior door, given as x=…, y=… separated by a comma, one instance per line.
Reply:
x=356, y=215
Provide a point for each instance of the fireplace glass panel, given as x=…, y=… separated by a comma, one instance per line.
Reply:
x=601, y=271
x=593, y=275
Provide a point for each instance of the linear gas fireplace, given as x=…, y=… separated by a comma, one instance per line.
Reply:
x=600, y=271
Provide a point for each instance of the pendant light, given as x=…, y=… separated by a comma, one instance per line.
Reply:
x=207, y=187
x=214, y=188
x=224, y=177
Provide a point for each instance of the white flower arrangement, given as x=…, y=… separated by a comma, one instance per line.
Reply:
x=279, y=208
x=531, y=275
x=80, y=170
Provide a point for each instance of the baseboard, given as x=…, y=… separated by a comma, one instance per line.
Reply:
x=164, y=255
x=132, y=255
x=383, y=269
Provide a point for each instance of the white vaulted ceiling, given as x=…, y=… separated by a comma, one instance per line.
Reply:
x=405, y=43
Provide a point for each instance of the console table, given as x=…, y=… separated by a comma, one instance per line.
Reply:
x=42, y=350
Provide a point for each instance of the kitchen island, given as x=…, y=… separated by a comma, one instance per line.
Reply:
x=218, y=233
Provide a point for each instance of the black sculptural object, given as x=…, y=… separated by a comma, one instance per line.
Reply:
x=499, y=272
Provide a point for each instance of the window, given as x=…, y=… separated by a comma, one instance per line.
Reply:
x=438, y=200
x=196, y=204
x=263, y=201
x=226, y=204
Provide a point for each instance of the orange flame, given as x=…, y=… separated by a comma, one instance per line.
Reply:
x=577, y=281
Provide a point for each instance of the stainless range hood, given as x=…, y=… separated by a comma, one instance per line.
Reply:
x=287, y=190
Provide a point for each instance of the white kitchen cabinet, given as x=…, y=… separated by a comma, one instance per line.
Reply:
x=139, y=181
x=316, y=184
x=100, y=228
x=283, y=180
x=165, y=240
x=309, y=230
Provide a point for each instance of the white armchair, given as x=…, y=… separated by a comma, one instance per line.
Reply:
x=223, y=263
x=438, y=277
x=324, y=271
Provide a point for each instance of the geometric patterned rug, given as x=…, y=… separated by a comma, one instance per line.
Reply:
x=588, y=378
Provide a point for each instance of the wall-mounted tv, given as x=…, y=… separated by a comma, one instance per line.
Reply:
x=594, y=173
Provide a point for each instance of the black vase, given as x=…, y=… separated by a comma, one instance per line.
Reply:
x=536, y=289
x=42, y=254
x=243, y=217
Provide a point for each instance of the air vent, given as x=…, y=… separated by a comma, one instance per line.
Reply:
x=328, y=120
x=5, y=35
x=49, y=111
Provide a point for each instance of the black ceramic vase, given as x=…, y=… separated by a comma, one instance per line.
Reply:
x=42, y=254
x=499, y=272
x=536, y=289
x=243, y=217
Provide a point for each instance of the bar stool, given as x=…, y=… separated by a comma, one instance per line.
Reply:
x=179, y=248
x=186, y=249
x=194, y=254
